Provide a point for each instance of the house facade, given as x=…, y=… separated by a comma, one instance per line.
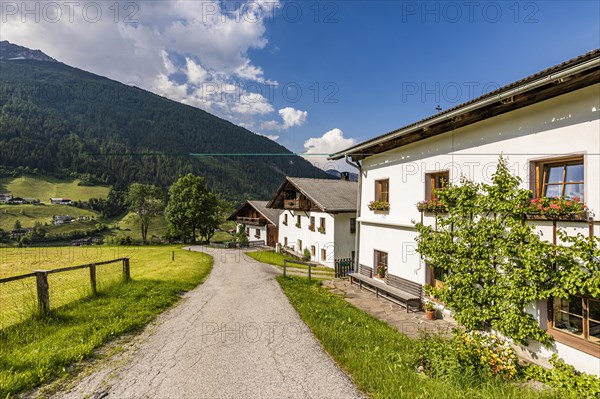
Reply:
x=259, y=222
x=548, y=128
x=318, y=215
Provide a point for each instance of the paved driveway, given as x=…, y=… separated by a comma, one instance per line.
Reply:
x=235, y=336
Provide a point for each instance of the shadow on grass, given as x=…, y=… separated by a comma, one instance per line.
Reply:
x=40, y=349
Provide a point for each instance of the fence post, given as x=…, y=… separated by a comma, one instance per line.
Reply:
x=284, y=266
x=93, y=278
x=41, y=277
x=126, y=270
x=309, y=266
x=173, y=256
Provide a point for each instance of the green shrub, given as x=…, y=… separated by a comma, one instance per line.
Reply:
x=476, y=354
x=564, y=379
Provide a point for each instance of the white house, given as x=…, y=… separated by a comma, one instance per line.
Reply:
x=5, y=198
x=61, y=201
x=259, y=222
x=318, y=215
x=61, y=219
x=548, y=127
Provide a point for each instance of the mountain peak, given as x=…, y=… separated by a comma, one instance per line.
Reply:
x=10, y=51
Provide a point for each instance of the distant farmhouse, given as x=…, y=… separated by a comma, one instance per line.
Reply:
x=259, y=222
x=4, y=198
x=61, y=219
x=318, y=215
x=61, y=201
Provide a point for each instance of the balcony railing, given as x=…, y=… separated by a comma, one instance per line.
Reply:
x=252, y=221
x=296, y=203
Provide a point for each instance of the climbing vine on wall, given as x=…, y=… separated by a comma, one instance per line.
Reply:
x=495, y=262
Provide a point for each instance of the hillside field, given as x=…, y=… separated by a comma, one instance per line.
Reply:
x=29, y=214
x=48, y=187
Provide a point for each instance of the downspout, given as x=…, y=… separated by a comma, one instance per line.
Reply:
x=358, y=166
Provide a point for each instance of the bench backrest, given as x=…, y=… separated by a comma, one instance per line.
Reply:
x=403, y=284
x=365, y=270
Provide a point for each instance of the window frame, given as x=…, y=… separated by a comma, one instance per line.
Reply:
x=379, y=192
x=285, y=219
x=323, y=254
x=322, y=224
x=352, y=225
x=430, y=181
x=580, y=342
x=376, y=259
x=313, y=251
x=299, y=221
x=311, y=225
x=542, y=168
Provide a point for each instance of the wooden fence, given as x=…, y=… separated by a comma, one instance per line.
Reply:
x=297, y=262
x=240, y=244
x=43, y=287
x=343, y=267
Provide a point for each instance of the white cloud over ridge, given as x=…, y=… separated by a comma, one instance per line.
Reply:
x=194, y=52
x=329, y=143
x=290, y=117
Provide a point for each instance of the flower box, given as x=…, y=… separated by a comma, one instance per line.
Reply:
x=557, y=208
x=379, y=206
x=298, y=225
x=432, y=206
x=322, y=230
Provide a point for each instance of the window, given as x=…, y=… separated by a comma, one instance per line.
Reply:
x=352, y=225
x=298, y=221
x=248, y=231
x=560, y=178
x=435, y=182
x=323, y=254
x=312, y=223
x=381, y=263
x=579, y=316
x=382, y=190
x=322, y=225
x=285, y=242
x=300, y=246
x=437, y=277
x=257, y=233
x=313, y=250
x=285, y=219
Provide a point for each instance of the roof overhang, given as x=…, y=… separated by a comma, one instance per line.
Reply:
x=574, y=74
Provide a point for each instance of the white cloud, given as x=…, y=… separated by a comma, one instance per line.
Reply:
x=273, y=137
x=329, y=143
x=205, y=41
x=290, y=117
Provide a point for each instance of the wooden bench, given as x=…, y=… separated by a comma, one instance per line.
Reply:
x=397, y=289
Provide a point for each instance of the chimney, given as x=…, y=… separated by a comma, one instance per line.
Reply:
x=345, y=176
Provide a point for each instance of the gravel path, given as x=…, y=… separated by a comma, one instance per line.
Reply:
x=235, y=336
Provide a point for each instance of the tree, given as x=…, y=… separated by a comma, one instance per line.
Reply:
x=496, y=265
x=17, y=225
x=146, y=201
x=193, y=210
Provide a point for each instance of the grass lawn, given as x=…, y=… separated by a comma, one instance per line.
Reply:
x=273, y=258
x=29, y=214
x=38, y=350
x=48, y=187
x=380, y=360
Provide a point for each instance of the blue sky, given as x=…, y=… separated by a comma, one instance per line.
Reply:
x=363, y=67
x=382, y=60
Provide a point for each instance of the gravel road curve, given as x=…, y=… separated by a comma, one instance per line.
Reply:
x=235, y=336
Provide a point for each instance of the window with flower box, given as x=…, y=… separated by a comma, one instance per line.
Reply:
x=311, y=226
x=322, y=225
x=381, y=263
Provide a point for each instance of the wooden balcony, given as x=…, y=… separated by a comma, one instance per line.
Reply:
x=251, y=221
x=296, y=204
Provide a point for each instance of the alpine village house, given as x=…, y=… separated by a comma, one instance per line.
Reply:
x=546, y=125
x=318, y=215
x=259, y=222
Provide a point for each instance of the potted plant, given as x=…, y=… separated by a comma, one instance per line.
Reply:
x=430, y=310
x=322, y=230
x=381, y=272
x=298, y=225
